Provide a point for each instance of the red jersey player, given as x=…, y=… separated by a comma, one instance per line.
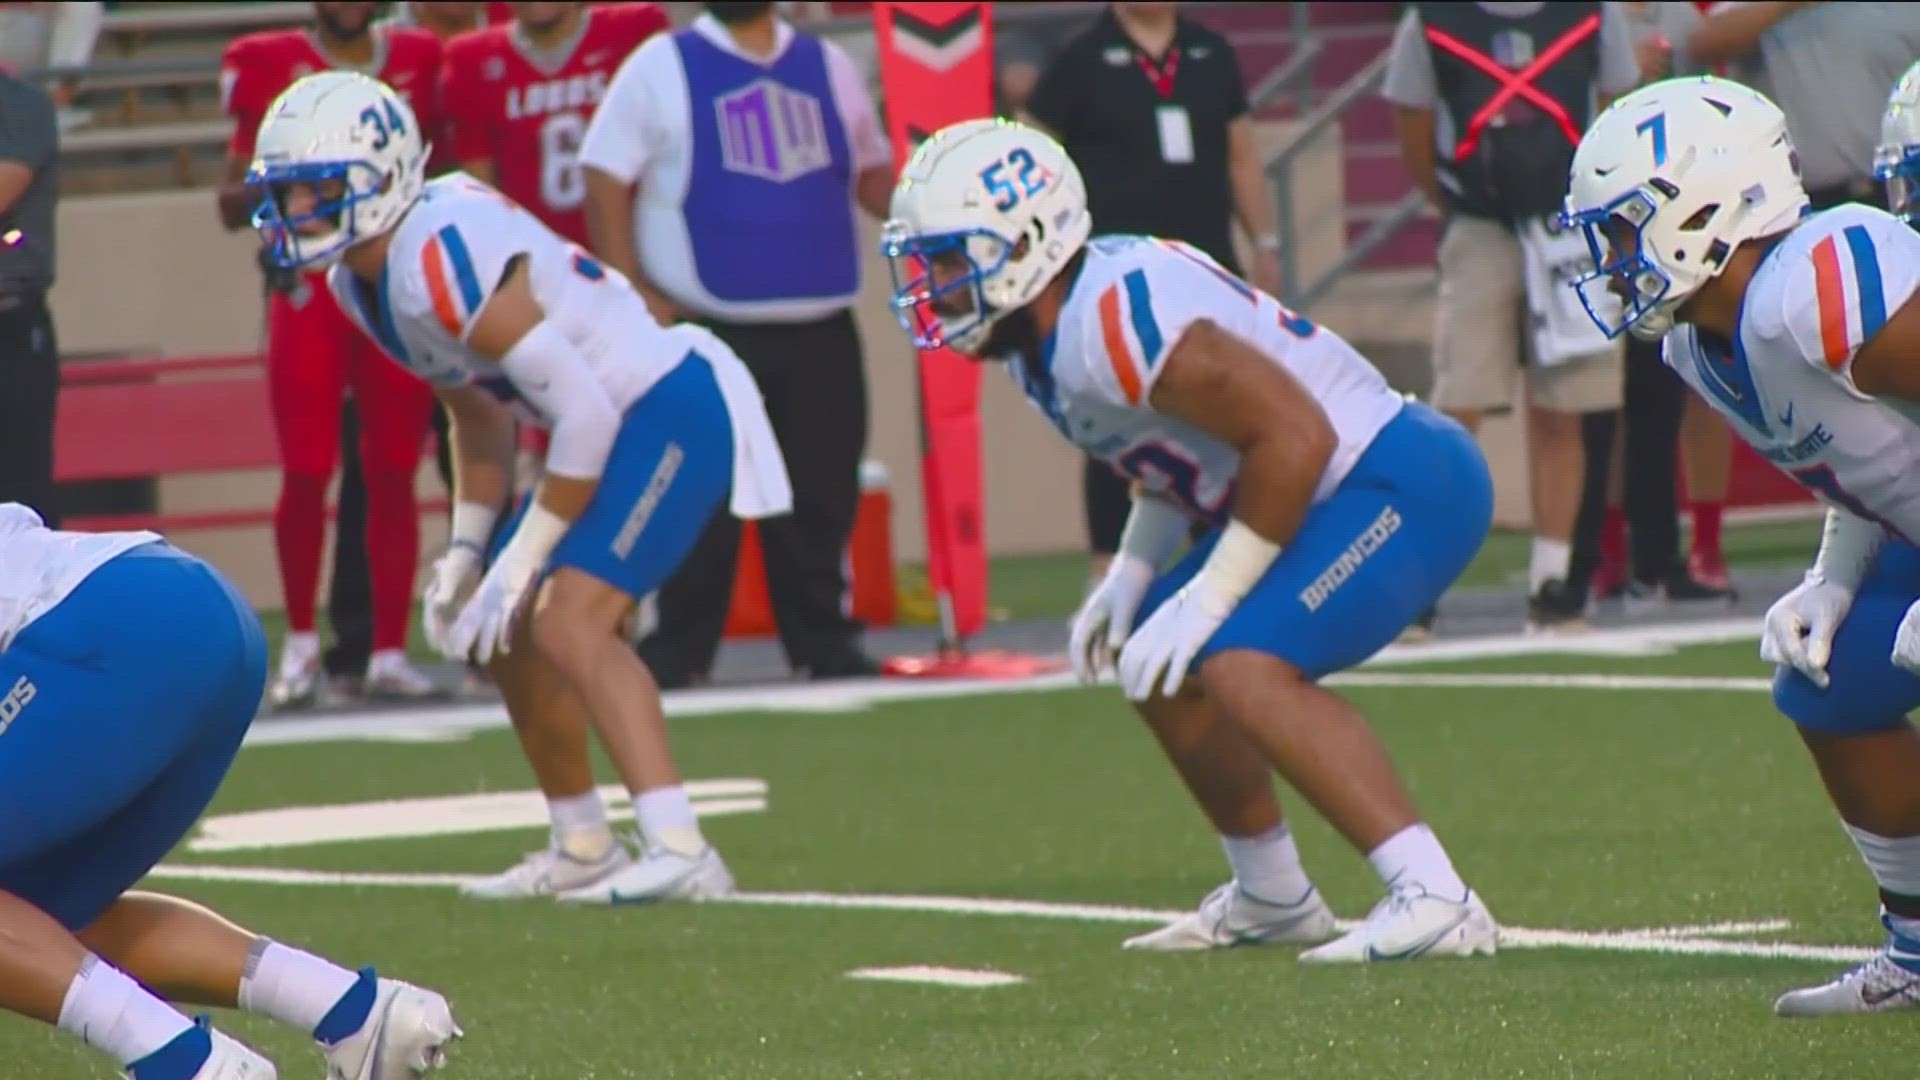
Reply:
x=447, y=17
x=517, y=99
x=314, y=356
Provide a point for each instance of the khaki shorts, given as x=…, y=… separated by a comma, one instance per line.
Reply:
x=1481, y=343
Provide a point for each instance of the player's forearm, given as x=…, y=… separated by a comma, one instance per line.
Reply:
x=1414, y=127
x=609, y=212
x=1154, y=529
x=874, y=191
x=1277, y=479
x=483, y=437
x=1279, y=473
x=236, y=207
x=1251, y=202
x=233, y=199
x=566, y=496
x=1848, y=546
x=557, y=503
x=15, y=179
x=1733, y=32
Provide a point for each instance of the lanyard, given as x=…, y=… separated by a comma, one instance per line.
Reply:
x=1161, y=75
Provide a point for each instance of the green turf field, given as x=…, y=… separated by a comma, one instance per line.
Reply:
x=1584, y=813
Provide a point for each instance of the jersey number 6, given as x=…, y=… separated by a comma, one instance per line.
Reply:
x=1007, y=191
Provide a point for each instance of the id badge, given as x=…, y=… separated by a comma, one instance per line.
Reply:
x=1176, y=135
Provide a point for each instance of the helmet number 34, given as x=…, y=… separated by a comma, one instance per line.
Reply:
x=386, y=123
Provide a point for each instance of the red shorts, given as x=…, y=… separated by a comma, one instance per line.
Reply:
x=314, y=357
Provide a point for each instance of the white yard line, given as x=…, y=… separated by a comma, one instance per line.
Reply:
x=1543, y=681
x=1704, y=940
x=453, y=722
x=922, y=974
x=440, y=815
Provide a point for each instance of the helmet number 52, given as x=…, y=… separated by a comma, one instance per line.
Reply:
x=385, y=121
x=1025, y=180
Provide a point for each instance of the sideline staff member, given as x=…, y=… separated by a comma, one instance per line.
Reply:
x=1490, y=149
x=29, y=358
x=722, y=170
x=1151, y=106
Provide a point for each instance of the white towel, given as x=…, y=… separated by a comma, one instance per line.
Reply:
x=1554, y=260
x=760, y=485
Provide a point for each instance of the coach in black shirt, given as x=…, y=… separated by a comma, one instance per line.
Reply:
x=1150, y=105
x=29, y=359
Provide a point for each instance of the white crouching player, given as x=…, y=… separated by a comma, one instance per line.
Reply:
x=651, y=429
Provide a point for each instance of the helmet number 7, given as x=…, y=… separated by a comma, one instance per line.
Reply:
x=1655, y=129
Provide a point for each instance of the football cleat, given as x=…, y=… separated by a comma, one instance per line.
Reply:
x=549, y=873
x=1411, y=923
x=659, y=874
x=405, y=1036
x=1231, y=916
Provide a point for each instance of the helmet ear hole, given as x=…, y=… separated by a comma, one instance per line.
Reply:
x=1700, y=218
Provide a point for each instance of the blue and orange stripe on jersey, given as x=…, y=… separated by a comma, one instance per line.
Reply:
x=1830, y=276
x=452, y=284
x=1130, y=359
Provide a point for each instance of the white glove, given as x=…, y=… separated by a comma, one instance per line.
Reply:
x=1906, y=641
x=1103, y=622
x=1170, y=638
x=452, y=579
x=1800, y=626
x=485, y=628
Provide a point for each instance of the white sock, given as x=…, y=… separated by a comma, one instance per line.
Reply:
x=1895, y=863
x=666, y=818
x=386, y=659
x=117, y=1016
x=301, y=647
x=296, y=988
x=1413, y=856
x=1267, y=866
x=580, y=825
x=1551, y=561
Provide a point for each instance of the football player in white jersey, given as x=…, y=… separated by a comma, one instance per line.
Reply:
x=1804, y=331
x=130, y=672
x=1336, y=513
x=652, y=427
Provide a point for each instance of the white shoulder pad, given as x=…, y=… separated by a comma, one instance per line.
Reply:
x=457, y=244
x=1136, y=297
x=1844, y=283
x=18, y=518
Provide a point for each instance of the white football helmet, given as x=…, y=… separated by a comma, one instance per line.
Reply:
x=1667, y=182
x=1896, y=163
x=353, y=146
x=985, y=214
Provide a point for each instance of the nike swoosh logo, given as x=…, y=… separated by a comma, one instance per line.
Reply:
x=1876, y=1000
x=1419, y=947
x=1786, y=415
